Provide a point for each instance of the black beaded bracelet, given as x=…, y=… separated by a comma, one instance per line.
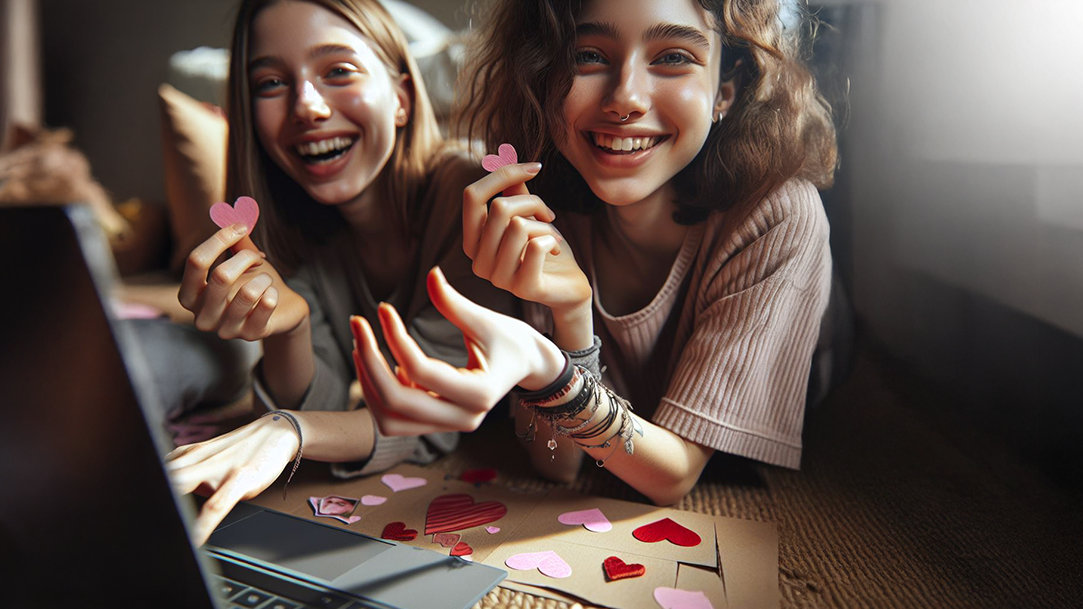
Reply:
x=563, y=379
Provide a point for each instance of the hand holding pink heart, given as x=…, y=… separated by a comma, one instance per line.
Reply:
x=244, y=211
x=506, y=155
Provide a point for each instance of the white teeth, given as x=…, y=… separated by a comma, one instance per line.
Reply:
x=623, y=144
x=323, y=146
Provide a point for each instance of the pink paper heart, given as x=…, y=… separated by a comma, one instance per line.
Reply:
x=675, y=598
x=244, y=211
x=372, y=500
x=548, y=563
x=592, y=520
x=492, y=530
x=506, y=155
x=398, y=482
x=448, y=540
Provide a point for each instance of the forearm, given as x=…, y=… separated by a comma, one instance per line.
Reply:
x=289, y=364
x=337, y=436
x=573, y=326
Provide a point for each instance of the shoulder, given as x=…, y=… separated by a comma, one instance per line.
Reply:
x=793, y=212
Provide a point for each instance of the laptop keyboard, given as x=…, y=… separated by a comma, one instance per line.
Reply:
x=244, y=587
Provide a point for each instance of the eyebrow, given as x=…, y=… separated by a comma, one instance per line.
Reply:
x=320, y=51
x=660, y=31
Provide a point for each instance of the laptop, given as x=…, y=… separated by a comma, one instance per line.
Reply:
x=87, y=515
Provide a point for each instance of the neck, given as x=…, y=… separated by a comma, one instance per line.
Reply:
x=647, y=227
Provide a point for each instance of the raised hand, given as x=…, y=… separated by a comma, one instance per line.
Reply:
x=424, y=394
x=241, y=297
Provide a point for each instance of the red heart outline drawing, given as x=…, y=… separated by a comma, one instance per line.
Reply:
x=616, y=568
x=397, y=531
x=244, y=210
x=458, y=511
x=668, y=530
x=506, y=155
x=462, y=549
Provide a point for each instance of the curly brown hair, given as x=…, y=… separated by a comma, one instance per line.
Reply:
x=521, y=65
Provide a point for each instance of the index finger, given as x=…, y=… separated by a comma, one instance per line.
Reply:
x=203, y=256
x=509, y=180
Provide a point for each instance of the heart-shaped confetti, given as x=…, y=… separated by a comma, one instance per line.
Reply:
x=458, y=511
x=373, y=500
x=398, y=482
x=462, y=549
x=492, y=530
x=506, y=155
x=675, y=598
x=448, y=540
x=477, y=476
x=667, y=529
x=616, y=568
x=592, y=520
x=397, y=531
x=548, y=563
x=244, y=210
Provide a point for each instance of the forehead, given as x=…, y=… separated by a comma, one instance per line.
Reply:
x=289, y=28
x=641, y=15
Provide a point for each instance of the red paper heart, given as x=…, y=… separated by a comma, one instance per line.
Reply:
x=616, y=568
x=458, y=511
x=506, y=156
x=668, y=530
x=462, y=549
x=477, y=476
x=446, y=539
x=397, y=531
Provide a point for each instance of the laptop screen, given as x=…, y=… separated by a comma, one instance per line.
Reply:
x=87, y=515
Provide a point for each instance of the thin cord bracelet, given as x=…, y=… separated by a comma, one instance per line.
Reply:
x=300, y=442
x=562, y=379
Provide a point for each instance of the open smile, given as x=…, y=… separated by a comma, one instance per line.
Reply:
x=626, y=145
x=324, y=151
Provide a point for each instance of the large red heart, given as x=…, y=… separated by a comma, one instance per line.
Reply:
x=668, y=530
x=397, y=531
x=458, y=511
x=616, y=568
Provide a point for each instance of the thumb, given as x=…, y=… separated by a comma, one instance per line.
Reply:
x=465, y=314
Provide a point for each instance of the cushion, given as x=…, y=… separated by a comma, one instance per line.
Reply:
x=194, y=156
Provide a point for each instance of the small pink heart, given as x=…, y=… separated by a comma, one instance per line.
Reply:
x=398, y=482
x=372, y=500
x=548, y=562
x=592, y=520
x=675, y=598
x=506, y=155
x=448, y=540
x=492, y=530
x=244, y=211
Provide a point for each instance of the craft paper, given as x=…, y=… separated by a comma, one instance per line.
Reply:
x=398, y=482
x=459, y=511
x=691, y=577
x=592, y=520
x=748, y=551
x=506, y=155
x=244, y=211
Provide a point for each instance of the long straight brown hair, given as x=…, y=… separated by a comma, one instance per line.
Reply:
x=291, y=223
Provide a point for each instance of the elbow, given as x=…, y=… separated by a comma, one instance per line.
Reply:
x=670, y=492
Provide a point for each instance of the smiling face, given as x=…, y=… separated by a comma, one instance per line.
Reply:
x=642, y=101
x=325, y=107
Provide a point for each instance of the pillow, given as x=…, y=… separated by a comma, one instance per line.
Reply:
x=194, y=154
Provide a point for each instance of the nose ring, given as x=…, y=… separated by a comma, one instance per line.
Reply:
x=624, y=117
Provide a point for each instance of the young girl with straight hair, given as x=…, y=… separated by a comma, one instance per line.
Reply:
x=675, y=294
x=332, y=133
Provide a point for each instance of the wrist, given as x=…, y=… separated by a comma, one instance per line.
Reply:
x=573, y=325
x=549, y=367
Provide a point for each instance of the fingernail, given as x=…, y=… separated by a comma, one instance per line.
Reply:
x=240, y=229
x=532, y=168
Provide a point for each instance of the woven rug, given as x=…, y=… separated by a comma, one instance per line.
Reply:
x=897, y=505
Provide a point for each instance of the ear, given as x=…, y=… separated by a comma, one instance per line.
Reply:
x=727, y=93
x=404, y=92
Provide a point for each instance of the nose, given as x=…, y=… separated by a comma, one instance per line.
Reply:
x=310, y=106
x=630, y=94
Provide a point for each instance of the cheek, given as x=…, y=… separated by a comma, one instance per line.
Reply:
x=267, y=116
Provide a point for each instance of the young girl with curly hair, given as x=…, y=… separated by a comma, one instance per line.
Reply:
x=676, y=292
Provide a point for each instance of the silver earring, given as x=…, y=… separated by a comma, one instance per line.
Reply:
x=624, y=117
x=721, y=115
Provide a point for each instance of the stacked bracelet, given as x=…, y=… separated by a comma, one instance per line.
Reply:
x=300, y=442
